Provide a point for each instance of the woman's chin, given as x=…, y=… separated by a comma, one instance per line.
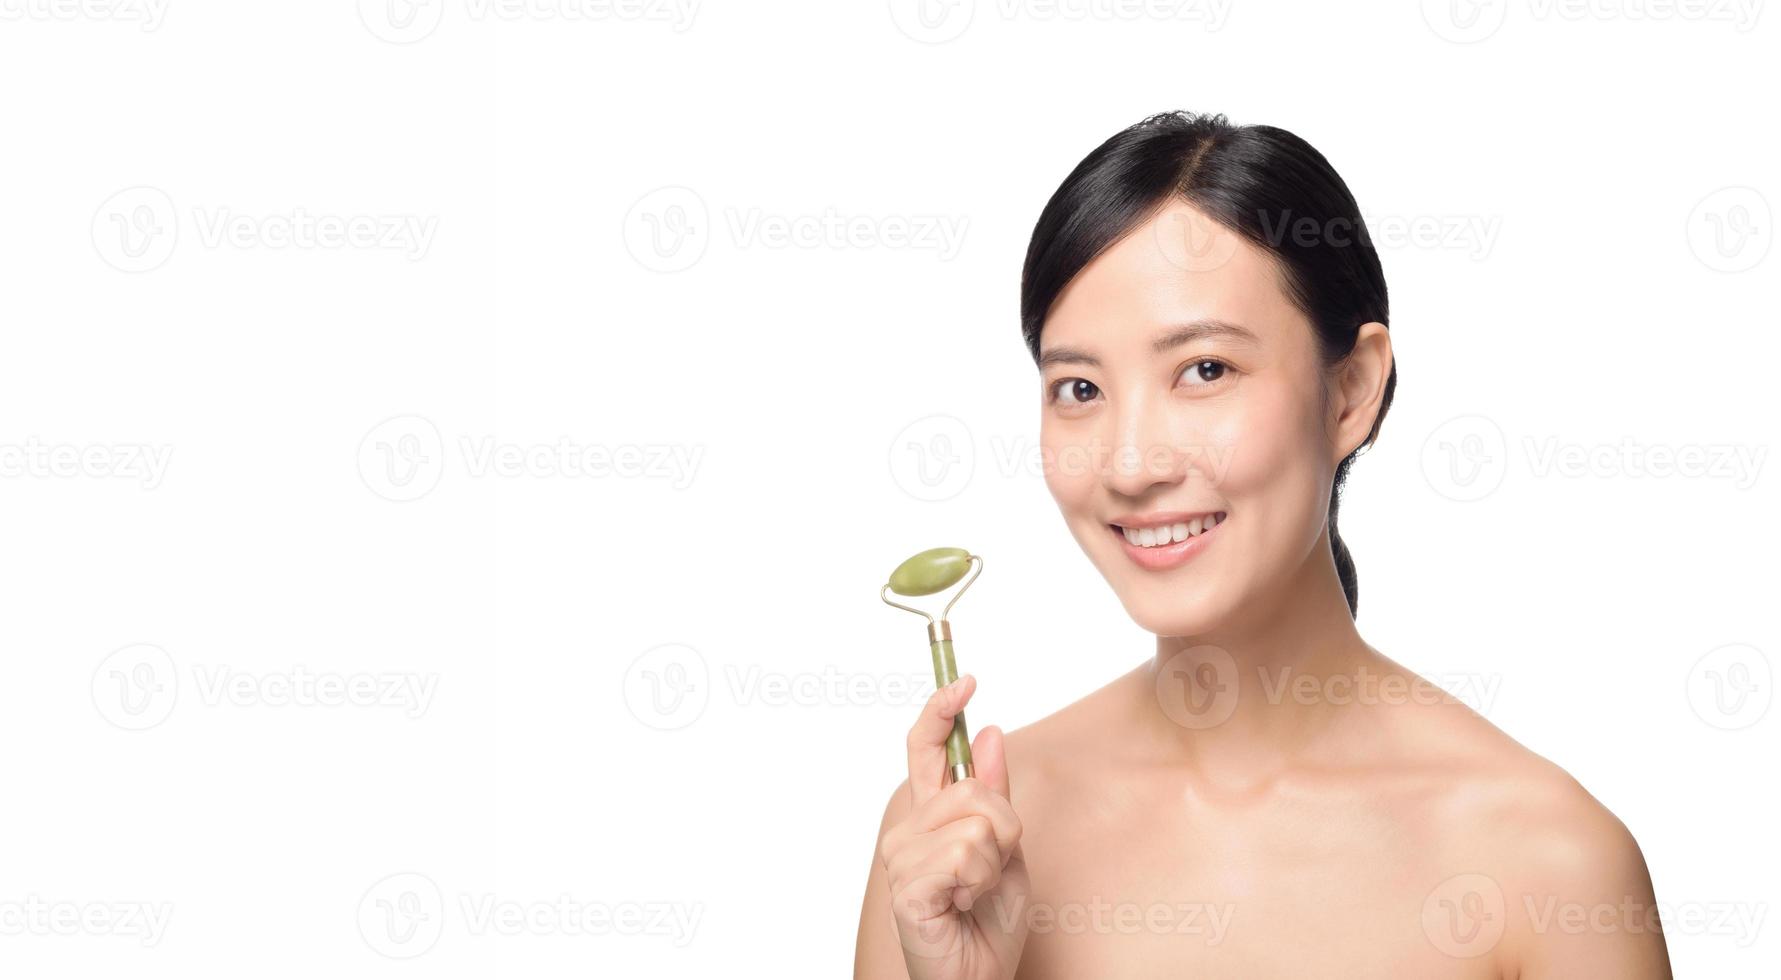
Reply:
x=1174, y=615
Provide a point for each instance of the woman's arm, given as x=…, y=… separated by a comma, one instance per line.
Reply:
x=878, y=953
x=1585, y=903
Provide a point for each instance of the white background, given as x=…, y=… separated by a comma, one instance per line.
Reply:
x=338, y=687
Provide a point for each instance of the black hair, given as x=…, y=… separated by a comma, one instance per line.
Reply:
x=1261, y=182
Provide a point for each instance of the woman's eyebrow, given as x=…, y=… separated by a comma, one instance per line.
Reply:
x=1183, y=334
x=1198, y=329
x=1067, y=355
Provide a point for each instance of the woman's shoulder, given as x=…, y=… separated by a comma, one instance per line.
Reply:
x=1063, y=753
x=1538, y=822
x=1073, y=733
x=1515, y=831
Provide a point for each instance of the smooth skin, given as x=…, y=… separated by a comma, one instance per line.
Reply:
x=1267, y=795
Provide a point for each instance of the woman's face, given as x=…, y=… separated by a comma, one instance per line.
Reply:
x=1180, y=386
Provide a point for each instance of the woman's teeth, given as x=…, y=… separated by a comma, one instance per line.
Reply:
x=1156, y=537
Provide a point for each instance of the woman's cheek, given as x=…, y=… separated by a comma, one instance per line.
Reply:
x=1275, y=471
x=1245, y=447
x=1221, y=450
x=1264, y=452
x=1070, y=481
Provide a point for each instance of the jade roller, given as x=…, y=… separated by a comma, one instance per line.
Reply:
x=936, y=570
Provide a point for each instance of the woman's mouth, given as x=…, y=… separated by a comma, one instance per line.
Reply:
x=1165, y=541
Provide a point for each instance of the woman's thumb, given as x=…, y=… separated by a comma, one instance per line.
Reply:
x=989, y=761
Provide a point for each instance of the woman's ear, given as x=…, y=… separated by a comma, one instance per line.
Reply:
x=1360, y=388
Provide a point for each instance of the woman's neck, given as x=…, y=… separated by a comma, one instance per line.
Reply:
x=1242, y=704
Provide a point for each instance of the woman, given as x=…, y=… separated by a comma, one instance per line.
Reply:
x=1209, y=321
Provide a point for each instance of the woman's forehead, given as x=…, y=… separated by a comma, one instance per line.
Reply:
x=1175, y=268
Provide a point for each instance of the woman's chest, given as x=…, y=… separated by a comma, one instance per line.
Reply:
x=1287, y=893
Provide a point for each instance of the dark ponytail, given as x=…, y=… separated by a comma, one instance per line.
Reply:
x=1261, y=182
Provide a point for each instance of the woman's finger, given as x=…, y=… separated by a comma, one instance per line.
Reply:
x=969, y=798
x=959, y=869
x=917, y=850
x=927, y=738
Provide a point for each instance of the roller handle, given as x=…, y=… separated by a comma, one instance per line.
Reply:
x=958, y=744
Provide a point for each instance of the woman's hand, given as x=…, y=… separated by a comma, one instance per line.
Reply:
x=958, y=881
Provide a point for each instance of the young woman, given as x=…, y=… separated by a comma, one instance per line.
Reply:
x=1209, y=322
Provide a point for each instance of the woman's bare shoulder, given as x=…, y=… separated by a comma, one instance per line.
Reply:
x=1517, y=828
x=1489, y=777
x=1050, y=750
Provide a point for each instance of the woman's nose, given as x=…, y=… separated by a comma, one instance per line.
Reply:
x=1144, y=451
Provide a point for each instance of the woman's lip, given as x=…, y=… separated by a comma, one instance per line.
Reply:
x=1166, y=556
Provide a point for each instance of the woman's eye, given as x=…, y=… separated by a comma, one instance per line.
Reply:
x=1202, y=373
x=1074, y=391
